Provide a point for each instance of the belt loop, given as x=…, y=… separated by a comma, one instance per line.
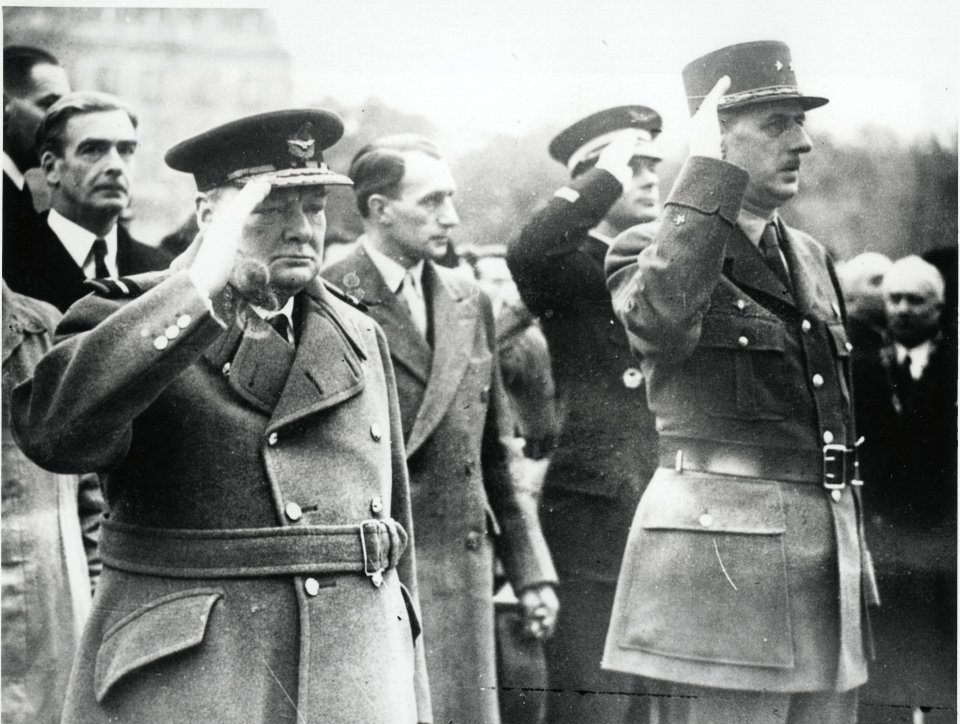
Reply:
x=373, y=571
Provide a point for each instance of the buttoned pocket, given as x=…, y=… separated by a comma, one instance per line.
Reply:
x=707, y=572
x=741, y=365
x=164, y=627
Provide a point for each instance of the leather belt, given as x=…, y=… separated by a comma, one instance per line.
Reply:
x=369, y=547
x=834, y=466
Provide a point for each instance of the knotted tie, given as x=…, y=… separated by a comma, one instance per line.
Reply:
x=100, y=259
x=413, y=295
x=770, y=250
x=281, y=324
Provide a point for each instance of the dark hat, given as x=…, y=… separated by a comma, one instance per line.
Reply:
x=584, y=140
x=283, y=146
x=759, y=71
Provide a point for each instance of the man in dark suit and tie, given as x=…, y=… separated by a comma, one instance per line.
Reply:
x=87, y=142
x=33, y=80
x=465, y=500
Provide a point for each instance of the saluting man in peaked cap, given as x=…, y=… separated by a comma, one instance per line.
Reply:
x=257, y=554
x=745, y=580
x=607, y=448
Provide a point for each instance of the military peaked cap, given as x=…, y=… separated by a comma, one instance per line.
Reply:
x=283, y=146
x=584, y=140
x=759, y=71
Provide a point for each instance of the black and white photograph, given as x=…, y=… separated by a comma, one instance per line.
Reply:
x=421, y=362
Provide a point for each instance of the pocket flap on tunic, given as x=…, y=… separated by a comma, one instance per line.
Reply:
x=737, y=331
x=165, y=626
x=698, y=502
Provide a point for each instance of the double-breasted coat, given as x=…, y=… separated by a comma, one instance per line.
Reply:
x=237, y=471
x=452, y=406
x=742, y=570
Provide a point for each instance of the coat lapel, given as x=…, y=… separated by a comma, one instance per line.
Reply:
x=455, y=318
x=407, y=345
x=812, y=287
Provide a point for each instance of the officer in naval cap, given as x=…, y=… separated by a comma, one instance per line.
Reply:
x=257, y=556
x=607, y=447
x=746, y=577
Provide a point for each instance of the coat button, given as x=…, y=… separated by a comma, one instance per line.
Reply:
x=835, y=494
x=827, y=437
x=805, y=325
x=183, y=321
x=743, y=341
x=848, y=346
x=171, y=332
x=311, y=586
x=294, y=512
x=706, y=520
x=376, y=504
x=485, y=394
x=161, y=342
x=818, y=381
x=741, y=304
x=226, y=369
x=272, y=439
x=474, y=540
x=375, y=432
x=632, y=378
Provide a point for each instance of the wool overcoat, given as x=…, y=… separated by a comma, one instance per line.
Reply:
x=455, y=427
x=742, y=570
x=237, y=469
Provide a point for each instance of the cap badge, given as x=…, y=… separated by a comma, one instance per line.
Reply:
x=779, y=65
x=638, y=116
x=302, y=146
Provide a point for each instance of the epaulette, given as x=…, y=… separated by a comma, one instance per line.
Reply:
x=126, y=287
x=344, y=296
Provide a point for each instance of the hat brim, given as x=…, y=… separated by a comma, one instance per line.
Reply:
x=297, y=177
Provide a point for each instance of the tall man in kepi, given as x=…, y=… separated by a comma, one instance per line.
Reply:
x=746, y=579
x=607, y=447
x=466, y=501
x=245, y=418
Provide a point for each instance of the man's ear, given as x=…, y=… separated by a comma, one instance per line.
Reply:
x=380, y=209
x=204, y=206
x=50, y=165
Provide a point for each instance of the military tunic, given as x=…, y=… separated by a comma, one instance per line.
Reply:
x=237, y=469
x=742, y=571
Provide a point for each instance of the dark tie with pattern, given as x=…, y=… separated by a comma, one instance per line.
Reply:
x=100, y=259
x=770, y=250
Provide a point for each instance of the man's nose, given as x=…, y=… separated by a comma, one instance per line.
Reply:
x=448, y=214
x=800, y=142
x=116, y=161
x=296, y=225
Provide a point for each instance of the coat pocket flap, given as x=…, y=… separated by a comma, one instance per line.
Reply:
x=697, y=502
x=741, y=332
x=165, y=626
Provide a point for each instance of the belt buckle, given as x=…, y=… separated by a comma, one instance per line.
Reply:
x=374, y=574
x=835, y=467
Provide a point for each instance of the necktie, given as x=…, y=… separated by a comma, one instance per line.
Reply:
x=770, y=250
x=100, y=259
x=281, y=324
x=413, y=295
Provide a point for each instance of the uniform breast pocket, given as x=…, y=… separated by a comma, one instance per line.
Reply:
x=160, y=629
x=741, y=367
x=708, y=572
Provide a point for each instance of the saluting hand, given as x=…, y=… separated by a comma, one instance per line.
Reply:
x=705, y=124
x=216, y=256
x=539, y=606
x=615, y=156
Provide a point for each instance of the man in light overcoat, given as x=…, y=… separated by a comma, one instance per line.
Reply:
x=244, y=419
x=465, y=500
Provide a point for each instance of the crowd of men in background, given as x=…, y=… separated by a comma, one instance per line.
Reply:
x=487, y=438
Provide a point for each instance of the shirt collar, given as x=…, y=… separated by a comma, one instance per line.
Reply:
x=79, y=241
x=753, y=225
x=600, y=237
x=392, y=272
x=919, y=356
x=15, y=174
x=268, y=314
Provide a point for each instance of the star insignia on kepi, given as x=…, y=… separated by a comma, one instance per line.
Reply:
x=679, y=219
x=779, y=65
x=302, y=146
x=638, y=116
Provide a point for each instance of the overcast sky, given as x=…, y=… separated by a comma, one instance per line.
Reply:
x=486, y=66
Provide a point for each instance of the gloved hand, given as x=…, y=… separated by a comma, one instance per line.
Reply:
x=705, y=124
